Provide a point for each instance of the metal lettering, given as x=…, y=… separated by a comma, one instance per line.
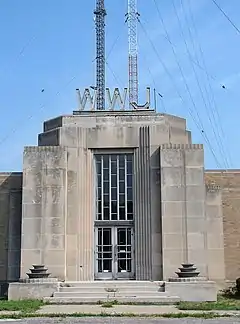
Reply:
x=87, y=98
x=116, y=98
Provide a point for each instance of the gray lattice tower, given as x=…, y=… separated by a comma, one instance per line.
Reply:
x=100, y=13
x=133, y=51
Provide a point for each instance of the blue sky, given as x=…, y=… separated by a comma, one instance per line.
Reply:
x=49, y=44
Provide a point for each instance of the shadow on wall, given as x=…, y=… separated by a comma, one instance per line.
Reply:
x=10, y=228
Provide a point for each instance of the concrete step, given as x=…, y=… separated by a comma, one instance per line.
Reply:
x=106, y=295
x=167, y=300
x=111, y=283
x=105, y=289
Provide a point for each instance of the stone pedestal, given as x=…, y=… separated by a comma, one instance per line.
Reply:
x=38, y=272
x=190, y=290
x=32, y=289
x=36, y=286
x=188, y=286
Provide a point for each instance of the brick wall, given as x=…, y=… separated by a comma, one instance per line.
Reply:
x=229, y=181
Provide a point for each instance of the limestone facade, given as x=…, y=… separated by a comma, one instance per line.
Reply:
x=176, y=217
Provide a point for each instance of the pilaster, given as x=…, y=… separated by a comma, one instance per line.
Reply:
x=183, y=207
x=143, y=240
x=43, y=219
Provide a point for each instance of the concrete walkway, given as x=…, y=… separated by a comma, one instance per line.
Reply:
x=118, y=309
x=123, y=309
x=98, y=309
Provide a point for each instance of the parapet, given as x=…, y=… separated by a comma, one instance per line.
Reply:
x=35, y=149
x=181, y=146
x=212, y=188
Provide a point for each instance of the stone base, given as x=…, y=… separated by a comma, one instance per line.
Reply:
x=38, y=280
x=32, y=290
x=192, y=291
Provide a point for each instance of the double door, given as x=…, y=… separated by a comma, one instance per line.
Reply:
x=114, y=253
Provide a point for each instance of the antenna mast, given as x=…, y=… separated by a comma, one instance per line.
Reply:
x=100, y=13
x=132, y=18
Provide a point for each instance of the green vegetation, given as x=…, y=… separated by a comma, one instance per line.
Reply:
x=24, y=306
x=107, y=304
x=208, y=315
x=223, y=303
x=229, y=300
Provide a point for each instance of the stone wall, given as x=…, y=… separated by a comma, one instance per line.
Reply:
x=183, y=207
x=59, y=209
x=229, y=182
x=10, y=225
x=215, y=238
x=191, y=226
x=43, y=221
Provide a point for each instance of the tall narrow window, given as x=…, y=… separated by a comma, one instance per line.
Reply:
x=114, y=186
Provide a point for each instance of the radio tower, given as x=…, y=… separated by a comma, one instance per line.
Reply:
x=132, y=18
x=100, y=14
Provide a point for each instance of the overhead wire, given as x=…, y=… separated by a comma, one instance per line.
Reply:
x=22, y=50
x=193, y=117
x=197, y=121
x=207, y=101
x=211, y=92
x=154, y=83
x=41, y=108
x=196, y=37
x=234, y=209
x=222, y=171
x=227, y=17
x=211, y=76
x=117, y=78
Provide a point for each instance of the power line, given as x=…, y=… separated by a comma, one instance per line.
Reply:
x=198, y=122
x=22, y=51
x=226, y=16
x=114, y=44
x=216, y=133
x=118, y=80
x=202, y=56
x=154, y=83
x=41, y=108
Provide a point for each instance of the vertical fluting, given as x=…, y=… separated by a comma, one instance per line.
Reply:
x=142, y=205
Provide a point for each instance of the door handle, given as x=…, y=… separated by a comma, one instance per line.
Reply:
x=115, y=252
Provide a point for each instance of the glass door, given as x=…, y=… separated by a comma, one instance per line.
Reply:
x=104, y=253
x=124, y=252
x=114, y=253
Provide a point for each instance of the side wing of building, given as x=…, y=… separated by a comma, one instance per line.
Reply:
x=10, y=225
x=229, y=183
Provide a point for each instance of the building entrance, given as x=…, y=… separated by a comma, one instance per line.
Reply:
x=114, y=220
x=114, y=253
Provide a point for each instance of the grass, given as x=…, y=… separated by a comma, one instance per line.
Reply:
x=27, y=308
x=223, y=303
x=24, y=306
x=108, y=304
x=208, y=315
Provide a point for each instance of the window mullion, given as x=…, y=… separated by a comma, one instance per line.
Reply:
x=110, y=189
x=118, y=187
x=125, y=185
x=102, y=200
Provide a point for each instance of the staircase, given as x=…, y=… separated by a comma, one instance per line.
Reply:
x=121, y=291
